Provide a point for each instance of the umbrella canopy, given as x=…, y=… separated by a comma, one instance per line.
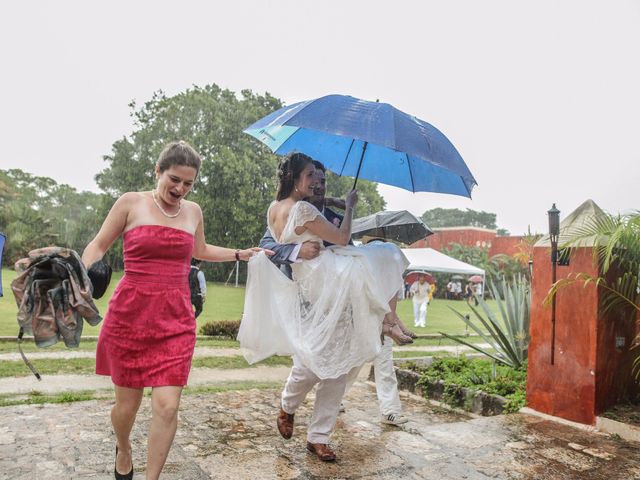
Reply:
x=457, y=277
x=414, y=276
x=371, y=140
x=476, y=279
x=400, y=226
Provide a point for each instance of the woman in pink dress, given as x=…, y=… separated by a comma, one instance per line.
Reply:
x=149, y=332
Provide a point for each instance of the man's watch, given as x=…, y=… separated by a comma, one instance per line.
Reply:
x=237, y=255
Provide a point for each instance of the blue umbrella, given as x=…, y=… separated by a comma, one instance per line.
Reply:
x=371, y=140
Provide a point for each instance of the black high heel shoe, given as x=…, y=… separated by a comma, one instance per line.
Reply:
x=122, y=476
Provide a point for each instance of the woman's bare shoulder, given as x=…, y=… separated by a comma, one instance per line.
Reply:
x=191, y=205
x=129, y=199
x=193, y=211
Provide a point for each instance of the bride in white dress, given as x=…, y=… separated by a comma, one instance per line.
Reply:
x=332, y=313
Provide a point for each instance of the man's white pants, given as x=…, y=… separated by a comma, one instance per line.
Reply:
x=420, y=314
x=327, y=405
x=386, y=381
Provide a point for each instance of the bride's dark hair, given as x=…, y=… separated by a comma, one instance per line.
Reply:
x=289, y=171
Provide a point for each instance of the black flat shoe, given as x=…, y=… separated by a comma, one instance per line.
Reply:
x=122, y=476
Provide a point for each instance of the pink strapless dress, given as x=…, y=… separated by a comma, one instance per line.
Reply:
x=149, y=332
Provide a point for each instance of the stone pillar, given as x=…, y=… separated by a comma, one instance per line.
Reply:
x=592, y=368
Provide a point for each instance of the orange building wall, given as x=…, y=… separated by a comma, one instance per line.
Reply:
x=471, y=237
x=442, y=238
x=589, y=374
x=505, y=245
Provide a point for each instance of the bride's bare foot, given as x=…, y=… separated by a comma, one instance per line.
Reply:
x=404, y=328
x=393, y=330
x=393, y=318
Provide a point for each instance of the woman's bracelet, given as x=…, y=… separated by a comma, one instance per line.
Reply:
x=237, y=255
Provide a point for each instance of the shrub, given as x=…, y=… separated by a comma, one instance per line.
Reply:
x=222, y=328
x=477, y=375
x=507, y=334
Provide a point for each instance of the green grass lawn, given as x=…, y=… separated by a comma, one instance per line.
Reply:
x=226, y=303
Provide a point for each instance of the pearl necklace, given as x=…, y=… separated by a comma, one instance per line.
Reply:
x=153, y=195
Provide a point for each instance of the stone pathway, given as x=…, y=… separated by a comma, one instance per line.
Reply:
x=232, y=435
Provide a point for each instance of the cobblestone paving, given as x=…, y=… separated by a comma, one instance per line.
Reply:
x=232, y=435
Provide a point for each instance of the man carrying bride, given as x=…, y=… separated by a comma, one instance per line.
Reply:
x=331, y=315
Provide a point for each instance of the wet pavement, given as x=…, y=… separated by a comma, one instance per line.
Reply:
x=232, y=435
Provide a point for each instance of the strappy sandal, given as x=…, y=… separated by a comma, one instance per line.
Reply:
x=404, y=328
x=394, y=331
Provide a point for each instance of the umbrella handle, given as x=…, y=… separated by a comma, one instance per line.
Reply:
x=364, y=149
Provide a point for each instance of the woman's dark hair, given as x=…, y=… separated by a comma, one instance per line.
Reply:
x=289, y=171
x=179, y=153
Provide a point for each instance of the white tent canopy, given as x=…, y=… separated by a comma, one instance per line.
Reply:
x=434, y=261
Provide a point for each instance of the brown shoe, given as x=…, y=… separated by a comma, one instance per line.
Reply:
x=322, y=450
x=285, y=424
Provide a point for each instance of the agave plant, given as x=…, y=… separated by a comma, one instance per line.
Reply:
x=616, y=242
x=508, y=333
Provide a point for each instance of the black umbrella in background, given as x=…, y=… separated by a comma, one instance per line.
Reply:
x=400, y=226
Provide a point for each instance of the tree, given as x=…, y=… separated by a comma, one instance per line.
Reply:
x=37, y=211
x=369, y=200
x=237, y=180
x=234, y=186
x=498, y=266
x=454, y=217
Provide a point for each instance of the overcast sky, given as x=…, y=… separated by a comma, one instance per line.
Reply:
x=541, y=98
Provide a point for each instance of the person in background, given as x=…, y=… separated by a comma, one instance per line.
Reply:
x=432, y=291
x=469, y=296
x=198, y=286
x=450, y=290
x=479, y=292
x=458, y=290
x=420, y=290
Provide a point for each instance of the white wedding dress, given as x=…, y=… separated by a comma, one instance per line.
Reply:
x=330, y=315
